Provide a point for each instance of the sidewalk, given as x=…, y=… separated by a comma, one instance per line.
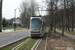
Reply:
x=67, y=34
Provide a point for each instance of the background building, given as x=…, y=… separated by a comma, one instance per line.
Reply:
x=17, y=22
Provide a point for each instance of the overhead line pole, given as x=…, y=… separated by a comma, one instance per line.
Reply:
x=15, y=19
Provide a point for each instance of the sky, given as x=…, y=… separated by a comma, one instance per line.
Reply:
x=9, y=7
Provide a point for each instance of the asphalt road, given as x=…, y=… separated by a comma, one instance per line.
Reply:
x=8, y=38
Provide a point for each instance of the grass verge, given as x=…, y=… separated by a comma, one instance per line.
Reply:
x=7, y=28
x=10, y=46
x=18, y=28
x=61, y=34
x=70, y=32
x=28, y=45
x=47, y=29
x=65, y=36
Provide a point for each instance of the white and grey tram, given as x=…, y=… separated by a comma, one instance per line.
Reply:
x=37, y=27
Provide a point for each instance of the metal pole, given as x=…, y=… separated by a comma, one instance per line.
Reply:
x=15, y=25
x=41, y=11
x=15, y=20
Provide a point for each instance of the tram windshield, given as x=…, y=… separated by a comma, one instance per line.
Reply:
x=35, y=24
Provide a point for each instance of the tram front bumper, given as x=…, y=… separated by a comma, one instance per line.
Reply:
x=35, y=34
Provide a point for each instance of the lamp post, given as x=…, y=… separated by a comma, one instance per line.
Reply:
x=0, y=15
x=15, y=19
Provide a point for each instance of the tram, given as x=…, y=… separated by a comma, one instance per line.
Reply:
x=37, y=27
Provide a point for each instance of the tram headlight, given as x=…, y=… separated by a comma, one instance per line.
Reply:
x=37, y=31
x=41, y=20
x=30, y=30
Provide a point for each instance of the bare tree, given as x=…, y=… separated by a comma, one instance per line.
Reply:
x=51, y=13
x=33, y=7
x=63, y=19
x=72, y=16
x=68, y=16
x=27, y=10
x=55, y=16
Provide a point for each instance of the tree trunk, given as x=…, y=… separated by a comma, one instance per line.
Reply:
x=55, y=17
x=68, y=16
x=54, y=23
x=63, y=20
x=51, y=15
x=1, y=16
x=72, y=15
x=66, y=23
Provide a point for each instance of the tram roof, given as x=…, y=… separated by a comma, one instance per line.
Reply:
x=35, y=18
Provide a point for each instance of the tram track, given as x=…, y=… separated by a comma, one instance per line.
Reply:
x=27, y=44
x=36, y=44
x=15, y=48
x=43, y=44
x=46, y=42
